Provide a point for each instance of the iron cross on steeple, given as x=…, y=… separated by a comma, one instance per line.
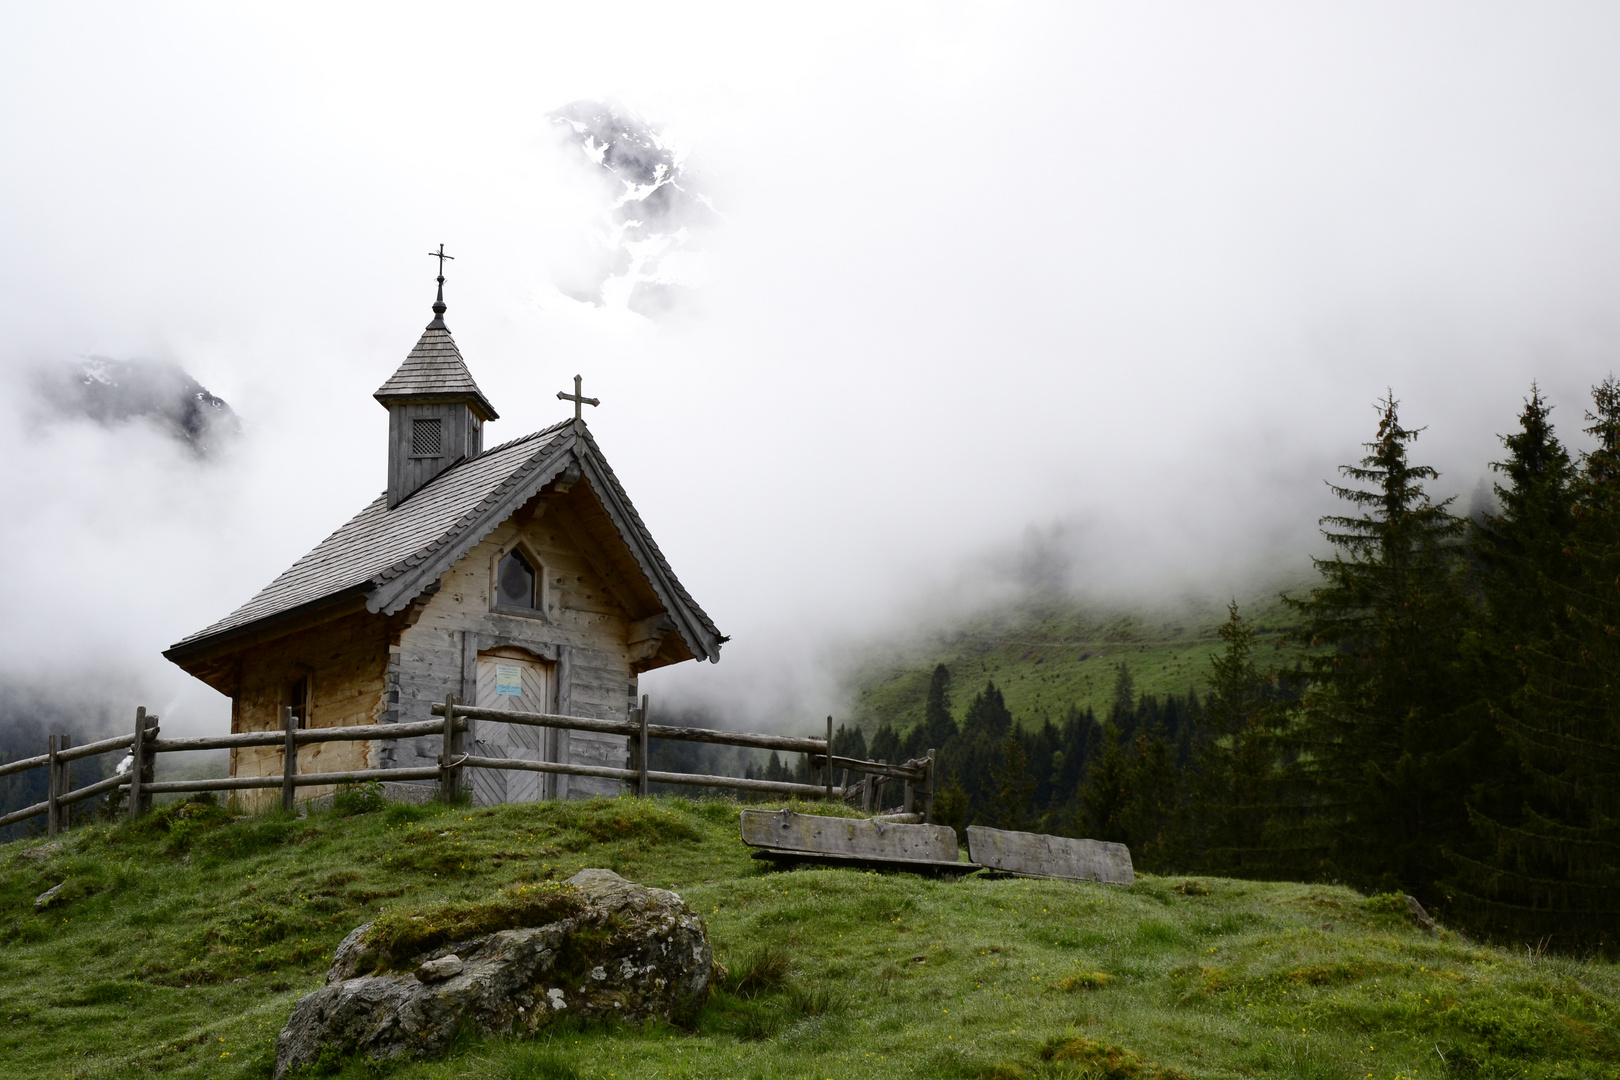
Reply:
x=577, y=398
x=438, y=303
x=441, y=256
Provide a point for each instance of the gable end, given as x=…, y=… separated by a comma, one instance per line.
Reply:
x=401, y=583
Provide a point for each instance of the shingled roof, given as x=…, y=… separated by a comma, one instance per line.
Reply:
x=392, y=556
x=434, y=370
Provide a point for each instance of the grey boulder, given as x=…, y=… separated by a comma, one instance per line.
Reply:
x=633, y=953
x=445, y=967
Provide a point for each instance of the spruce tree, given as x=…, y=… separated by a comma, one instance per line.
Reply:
x=849, y=741
x=1152, y=802
x=1015, y=788
x=1520, y=549
x=951, y=806
x=1105, y=795
x=984, y=729
x=885, y=746
x=1601, y=466
x=1233, y=775
x=1044, y=749
x=1554, y=873
x=1521, y=559
x=1080, y=743
x=1384, y=750
x=939, y=726
x=1124, y=697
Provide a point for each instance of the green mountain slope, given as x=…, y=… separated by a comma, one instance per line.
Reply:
x=1047, y=656
x=178, y=947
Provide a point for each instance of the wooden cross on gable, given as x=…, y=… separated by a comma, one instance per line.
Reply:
x=577, y=398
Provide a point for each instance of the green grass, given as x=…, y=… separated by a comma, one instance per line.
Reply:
x=1046, y=656
x=181, y=945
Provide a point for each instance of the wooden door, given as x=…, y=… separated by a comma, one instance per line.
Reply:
x=514, y=681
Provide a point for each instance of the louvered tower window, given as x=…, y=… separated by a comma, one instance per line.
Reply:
x=427, y=437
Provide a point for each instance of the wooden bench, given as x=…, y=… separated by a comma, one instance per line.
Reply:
x=784, y=837
x=1040, y=856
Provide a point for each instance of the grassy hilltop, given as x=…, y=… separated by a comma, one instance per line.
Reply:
x=177, y=947
x=1048, y=655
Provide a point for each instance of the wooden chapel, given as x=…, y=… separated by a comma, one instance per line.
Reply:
x=519, y=577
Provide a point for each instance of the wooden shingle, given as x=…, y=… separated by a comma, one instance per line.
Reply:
x=434, y=370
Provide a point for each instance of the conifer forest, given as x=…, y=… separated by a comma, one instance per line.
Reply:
x=1447, y=723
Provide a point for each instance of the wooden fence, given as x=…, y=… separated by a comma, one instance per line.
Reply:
x=138, y=782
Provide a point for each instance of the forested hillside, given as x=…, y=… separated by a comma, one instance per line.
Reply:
x=1049, y=654
x=1435, y=711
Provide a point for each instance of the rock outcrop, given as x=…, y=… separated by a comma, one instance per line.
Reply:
x=630, y=952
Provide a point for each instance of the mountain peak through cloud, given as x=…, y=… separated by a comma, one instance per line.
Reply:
x=646, y=256
x=112, y=392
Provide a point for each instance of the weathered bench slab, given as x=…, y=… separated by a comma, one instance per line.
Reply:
x=785, y=835
x=1039, y=855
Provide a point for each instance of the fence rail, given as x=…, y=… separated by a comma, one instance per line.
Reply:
x=249, y=783
x=139, y=784
x=785, y=743
x=305, y=736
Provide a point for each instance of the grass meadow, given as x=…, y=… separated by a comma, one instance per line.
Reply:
x=177, y=946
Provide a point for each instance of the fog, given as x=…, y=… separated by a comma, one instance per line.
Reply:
x=940, y=301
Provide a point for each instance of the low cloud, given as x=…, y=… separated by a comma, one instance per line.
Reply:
x=1130, y=281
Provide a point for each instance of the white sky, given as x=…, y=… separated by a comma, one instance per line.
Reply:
x=1133, y=270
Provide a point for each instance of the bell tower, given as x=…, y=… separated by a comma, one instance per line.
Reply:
x=436, y=413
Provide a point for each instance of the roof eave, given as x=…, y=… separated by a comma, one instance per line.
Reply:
x=205, y=646
x=477, y=402
x=689, y=619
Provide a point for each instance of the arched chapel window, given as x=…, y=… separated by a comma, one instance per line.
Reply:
x=514, y=582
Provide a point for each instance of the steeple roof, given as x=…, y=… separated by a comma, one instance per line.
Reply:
x=435, y=370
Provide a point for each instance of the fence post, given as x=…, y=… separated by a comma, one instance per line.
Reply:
x=641, y=756
x=829, y=767
x=909, y=792
x=148, y=762
x=136, y=750
x=928, y=791
x=64, y=784
x=289, y=758
x=632, y=749
x=449, y=771
x=53, y=824
x=137, y=760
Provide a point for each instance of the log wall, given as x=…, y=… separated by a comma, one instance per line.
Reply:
x=346, y=663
